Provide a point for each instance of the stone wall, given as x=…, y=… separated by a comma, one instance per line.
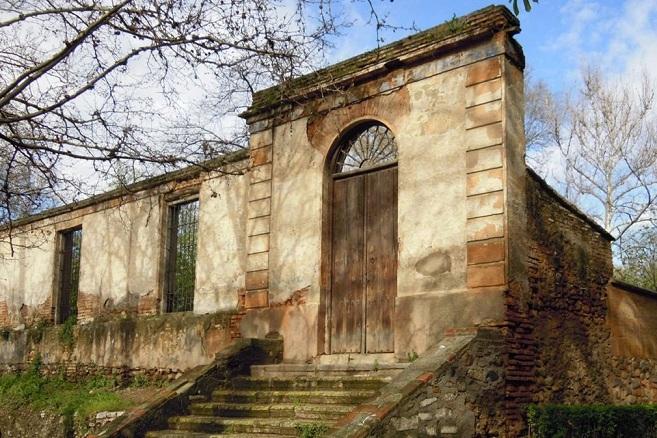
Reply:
x=464, y=400
x=559, y=348
x=156, y=346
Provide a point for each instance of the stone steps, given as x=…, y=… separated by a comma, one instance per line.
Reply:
x=282, y=410
x=310, y=383
x=188, y=434
x=273, y=405
x=259, y=426
x=325, y=370
x=310, y=396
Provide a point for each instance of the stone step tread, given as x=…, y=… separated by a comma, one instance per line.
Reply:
x=319, y=378
x=204, y=423
x=273, y=406
x=278, y=410
x=309, y=382
x=230, y=421
x=171, y=433
x=283, y=367
x=319, y=392
x=307, y=396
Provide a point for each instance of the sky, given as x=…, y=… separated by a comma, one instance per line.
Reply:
x=559, y=37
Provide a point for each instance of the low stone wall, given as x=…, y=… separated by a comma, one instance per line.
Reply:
x=463, y=400
x=156, y=346
x=455, y=389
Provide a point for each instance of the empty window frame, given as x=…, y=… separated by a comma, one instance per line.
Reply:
x=69, y=277
x=181, y=256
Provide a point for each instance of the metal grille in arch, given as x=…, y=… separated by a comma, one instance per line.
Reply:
x=368, y=146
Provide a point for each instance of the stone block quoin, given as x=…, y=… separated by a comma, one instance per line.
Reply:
x=258, y=226
x=485, y=182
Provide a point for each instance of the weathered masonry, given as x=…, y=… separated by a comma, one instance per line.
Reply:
x=382, y=205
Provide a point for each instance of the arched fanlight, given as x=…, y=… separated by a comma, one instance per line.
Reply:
x=367, y=146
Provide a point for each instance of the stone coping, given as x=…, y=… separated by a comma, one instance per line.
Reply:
x=367, y=417
x=569, y=205
x=620, y=284
x=446, y=36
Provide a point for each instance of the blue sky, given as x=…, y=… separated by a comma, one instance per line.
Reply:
x=558, y=36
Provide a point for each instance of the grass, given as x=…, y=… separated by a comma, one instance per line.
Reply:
x=77, y=400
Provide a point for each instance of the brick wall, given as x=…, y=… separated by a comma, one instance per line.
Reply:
x=88, y=306
x=4, y=314
x=558, y=339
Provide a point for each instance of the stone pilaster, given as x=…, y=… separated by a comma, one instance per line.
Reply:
x=485, y=165
x=258, y=220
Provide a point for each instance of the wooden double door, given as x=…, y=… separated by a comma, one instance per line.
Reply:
x=363, y=262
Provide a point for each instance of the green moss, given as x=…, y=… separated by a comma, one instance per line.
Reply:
x=74, y=401
x=311, y=430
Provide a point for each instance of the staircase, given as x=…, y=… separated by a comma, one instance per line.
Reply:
x=278, y=401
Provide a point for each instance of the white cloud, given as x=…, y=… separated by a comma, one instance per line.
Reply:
x=619, y=39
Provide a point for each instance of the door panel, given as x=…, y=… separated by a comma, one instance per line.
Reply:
x=381, y=259
x=364, y=262
x=348, y=266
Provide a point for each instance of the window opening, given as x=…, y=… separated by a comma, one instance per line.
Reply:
x=368, y=146
x=70, y=274
x=181, y=265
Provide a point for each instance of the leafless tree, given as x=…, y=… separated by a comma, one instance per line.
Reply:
x=539, y=107
x=109, y=85
x=607, y=143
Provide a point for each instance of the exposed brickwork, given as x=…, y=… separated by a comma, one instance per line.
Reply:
x=148, y=304
x=236, y=319
x=45, y=311
x=88, y=306
x=4, y=314
x=558, y=342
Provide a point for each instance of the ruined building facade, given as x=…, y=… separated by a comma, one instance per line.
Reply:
x=383, y=204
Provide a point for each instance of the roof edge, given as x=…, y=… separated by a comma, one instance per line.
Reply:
x=569, y=205
x=185, y=173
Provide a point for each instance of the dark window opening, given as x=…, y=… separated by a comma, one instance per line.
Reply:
x=181, y=263
x=71, y=241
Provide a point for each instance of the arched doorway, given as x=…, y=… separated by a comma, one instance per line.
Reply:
x=363, y=261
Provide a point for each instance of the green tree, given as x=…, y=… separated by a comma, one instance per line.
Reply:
x=639, y=259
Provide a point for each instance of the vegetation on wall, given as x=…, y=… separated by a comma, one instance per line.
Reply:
x=74, y=401
x=67, y=332
x=599, y=421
